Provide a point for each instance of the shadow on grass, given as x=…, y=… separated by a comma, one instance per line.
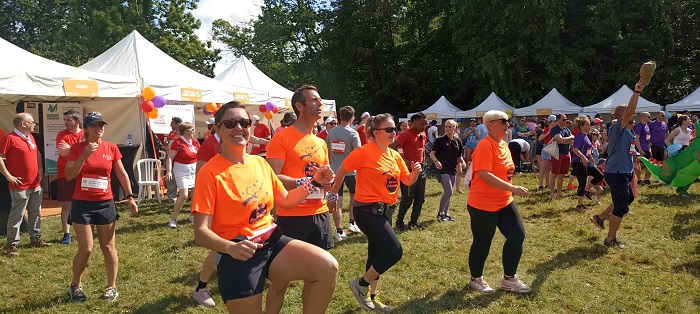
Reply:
x=563, y=260
x=692, y=268
x=169, y=304
x=664, y=199
x=465, y=298
x=37, y=305
x=554, y=212
x=685, y=224
x=351, y=239
x=138, y=226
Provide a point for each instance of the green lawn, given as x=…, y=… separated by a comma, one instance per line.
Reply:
x=564, y=261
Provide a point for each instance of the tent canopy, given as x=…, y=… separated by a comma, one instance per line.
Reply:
x=493, y=102
x=135, y=56
x=443, y=108
x=690, y=102
x=620, y=97
x=552, y=103
x=26, y=76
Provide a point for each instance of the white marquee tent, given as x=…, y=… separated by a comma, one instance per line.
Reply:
x=690, y=102
x=442, y=108
x=245, y=74
x=620, y=97
x=493, y=102
x=552, y=103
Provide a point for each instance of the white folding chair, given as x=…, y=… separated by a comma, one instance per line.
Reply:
x=149, y=170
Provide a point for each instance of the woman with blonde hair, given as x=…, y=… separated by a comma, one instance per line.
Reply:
x=447, y=155
x=182, y=165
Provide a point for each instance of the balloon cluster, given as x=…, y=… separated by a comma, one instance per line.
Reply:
x=211, y=108
x=268, y=109
x=151, y=102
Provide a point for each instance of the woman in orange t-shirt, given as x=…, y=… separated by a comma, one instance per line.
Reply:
x=232, y=203
x=490, y=205
x=379, y=171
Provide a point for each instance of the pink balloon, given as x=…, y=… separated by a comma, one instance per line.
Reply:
x=158, y=101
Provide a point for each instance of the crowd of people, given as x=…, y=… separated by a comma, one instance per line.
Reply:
x=268, y=205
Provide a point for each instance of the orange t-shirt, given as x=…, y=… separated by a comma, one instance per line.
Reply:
x=237, y=196
x=379, y=173
x=300, y=153
x=495, y=158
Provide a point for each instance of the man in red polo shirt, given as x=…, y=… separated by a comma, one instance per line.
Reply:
x=361, y=128
x=72, y=135
x=23, y=172
x=262, y=131
x=413, y=143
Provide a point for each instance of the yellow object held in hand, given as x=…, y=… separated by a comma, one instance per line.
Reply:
x=647, y=71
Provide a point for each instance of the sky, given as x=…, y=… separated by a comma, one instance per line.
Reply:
x=232, y=10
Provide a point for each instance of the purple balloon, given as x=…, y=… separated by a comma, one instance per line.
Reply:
x=158, y=101
x=269, y=105
x=206, y=113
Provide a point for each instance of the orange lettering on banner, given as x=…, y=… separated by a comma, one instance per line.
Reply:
x=191, y=94
x=243, y=98
x=431, y=116
x=480, y=114
x=80, y=88
x=543, y=111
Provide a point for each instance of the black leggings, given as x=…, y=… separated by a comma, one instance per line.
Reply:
x=383, y=247
x=484, y=224
x=582, y=172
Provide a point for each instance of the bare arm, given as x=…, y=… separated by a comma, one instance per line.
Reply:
x=259, y=141
x=126, y=185
x=276, y=165
x=671, y=135
x=169, y=164
x=63, y=149
x=632, y=104
x=496, y=182
x=564, y=140
x=10, y=178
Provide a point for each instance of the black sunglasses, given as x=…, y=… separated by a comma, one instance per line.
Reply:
x=503, y=121
x=390, y=129
x=231, y=124
x=333, y=123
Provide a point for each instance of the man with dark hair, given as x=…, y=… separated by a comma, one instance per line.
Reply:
x=72, y=135
x=560, y=166
x=658, y=130
x=433, y=131
x=643, y=144
x=413, y=143
x=171, y=185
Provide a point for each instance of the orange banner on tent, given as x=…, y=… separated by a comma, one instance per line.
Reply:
x=543, y=111
x=80, y=88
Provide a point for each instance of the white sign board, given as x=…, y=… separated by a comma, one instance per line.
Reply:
x=183, y=110
x=52, y=125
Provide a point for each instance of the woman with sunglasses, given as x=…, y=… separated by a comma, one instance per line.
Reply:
x=91, y=162
x=583, y=163
x=182, y=165
x=490, y=205
x=232, y=203
x=379, y=171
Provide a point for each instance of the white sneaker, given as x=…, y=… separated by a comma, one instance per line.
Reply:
x=191, y=218
x=340, y=236
x=595, y=199
x=353, y=228
x=172, y=223
x=480, y=284
x=514, y=284
x=203, y=297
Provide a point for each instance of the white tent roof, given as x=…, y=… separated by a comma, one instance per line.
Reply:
x=25, y=74
x=493, y=102
x=690, y=102
x=135, y=56
x=553, y=101
x=443, y=108
x=620, y=97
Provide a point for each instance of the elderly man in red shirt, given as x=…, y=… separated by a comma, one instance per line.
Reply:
x=412, y=141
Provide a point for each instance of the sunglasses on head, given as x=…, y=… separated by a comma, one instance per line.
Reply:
x=391, y=129
x=231, y=124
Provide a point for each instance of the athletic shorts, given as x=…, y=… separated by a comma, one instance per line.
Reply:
x=314, y=229
x=538, y=148
x=658, y=152
x=647, y=154
x=93, y=212
x=561, y=165
x=546, y=156
x=65, y=190
x=348, y=181
x=241, y=279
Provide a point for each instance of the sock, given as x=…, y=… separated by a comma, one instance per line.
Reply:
x=363, y=283
x=352, y=221
x=201, y=285
x=338, y=230
x=372, y=296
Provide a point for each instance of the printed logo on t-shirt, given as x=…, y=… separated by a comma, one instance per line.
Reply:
x=254, y=202
x=391, y=182
x=311, y=154
x=511, y=170
x=108, y=157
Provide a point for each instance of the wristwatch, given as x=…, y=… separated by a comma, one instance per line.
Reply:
x=131, y=196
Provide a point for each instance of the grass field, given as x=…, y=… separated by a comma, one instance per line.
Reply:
x=564, y=261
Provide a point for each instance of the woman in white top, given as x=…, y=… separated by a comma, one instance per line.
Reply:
x=682, y=134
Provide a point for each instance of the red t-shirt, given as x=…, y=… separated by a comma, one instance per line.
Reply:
x=21, y=161
x=71, y=139
x=184, y=154
x=93, y=182
x=363, y=135
x=413, y=144
x=323, y=134
x=575, y=131
x=260, y=131
x=209, y=148
x=548, y=137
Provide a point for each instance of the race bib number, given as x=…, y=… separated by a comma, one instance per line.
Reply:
x=632, y=149
x=588, y=152
x=315, y=198
x=648, y=137
x=94, y=183
x=338, y=147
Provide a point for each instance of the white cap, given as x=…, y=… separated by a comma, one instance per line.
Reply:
x=211, y=121
x=330, y=119
x=364, y=114
x=552, y=118
x=255, y=118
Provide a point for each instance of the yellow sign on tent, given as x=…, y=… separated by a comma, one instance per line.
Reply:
x=243, y=98
x=80, y=88
x=287, y=103
x=543, y=111
x=191, y=94
x=431, y=116
x=480, y=114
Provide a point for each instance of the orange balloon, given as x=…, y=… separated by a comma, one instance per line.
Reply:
x=268, y=115
x=153, y=113
x=218, y=106
x=148, y=93
x=211, y=107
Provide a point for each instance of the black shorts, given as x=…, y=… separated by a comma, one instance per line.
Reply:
x=647, y=154
x=658, y=152
x=65, y=189
x=348, y=181
x=93, y=212
x=241, y=279
x=538, y=148
x=314, y=229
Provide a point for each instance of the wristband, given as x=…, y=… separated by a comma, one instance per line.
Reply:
x=131, y=196
x=316, y=184
x=331, y=197
x=637, y=92
x=308, y=187
x=301, y=181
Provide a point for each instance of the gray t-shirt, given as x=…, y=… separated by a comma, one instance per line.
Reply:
x=341, y=141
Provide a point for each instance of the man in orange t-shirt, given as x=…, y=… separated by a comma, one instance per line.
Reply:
x=296, y=154
x=65, y=139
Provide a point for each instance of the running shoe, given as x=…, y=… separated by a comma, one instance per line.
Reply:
x=203, y=297
x=172, y=223
x=76, y=294
x=66, y=238
x=480, y=285
x=600, y=223
x=449, y=218
x=361, y=295
x=353, y=228
x=614, y=243
x=38, y=242
x=570, y=186
x=379, y=306
x=111, y=294
x=339, y=236
x=514, y=284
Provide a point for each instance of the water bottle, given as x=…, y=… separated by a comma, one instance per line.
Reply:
x=129, y=139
